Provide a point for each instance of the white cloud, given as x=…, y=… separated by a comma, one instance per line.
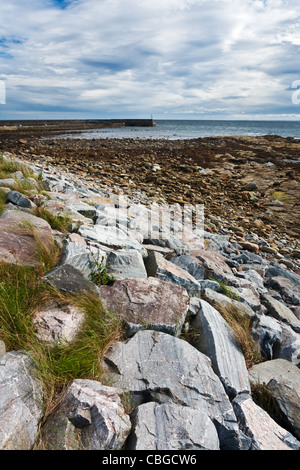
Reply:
x=172, y=56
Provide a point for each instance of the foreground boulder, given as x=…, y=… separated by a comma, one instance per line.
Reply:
x=68, y=279
x=91, y=417
x=21, y=401
x=172, y=427
x=147, y=303
x=282, y=379
x=82, y=257
x=158, y=266
x=110, y=237
x=216, y=340
x=126, y=264
x=155, y=366
x=261, y=431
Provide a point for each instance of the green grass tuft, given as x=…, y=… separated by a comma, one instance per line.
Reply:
x=56, y=222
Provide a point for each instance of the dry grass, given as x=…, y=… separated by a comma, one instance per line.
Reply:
x=241, y=327
x=47, y=250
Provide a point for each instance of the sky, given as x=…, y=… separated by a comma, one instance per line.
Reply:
x=173, y=59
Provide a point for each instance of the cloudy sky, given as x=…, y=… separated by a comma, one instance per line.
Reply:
x=190, y=59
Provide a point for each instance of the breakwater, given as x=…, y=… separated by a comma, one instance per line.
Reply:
x=78, y=123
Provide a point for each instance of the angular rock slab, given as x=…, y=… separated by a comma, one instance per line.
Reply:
x=21, y=401
x=289, y=292
x=111, y=237
x=84, y=258
x=126, y=264
x=91, y=417
x=155, y=366
x=172, y=427
x=282, y=379
x=282, y=313
x=58, y=322
x=19, y=200
x=147, y=303
x=262, y=431
x=216, y=340
x=68, y=279
x=214, y=265
x=157, y=266
x=190, y=264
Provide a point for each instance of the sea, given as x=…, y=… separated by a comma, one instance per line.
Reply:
x=188, y=129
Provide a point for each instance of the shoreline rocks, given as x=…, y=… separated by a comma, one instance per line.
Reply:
x=179, y=364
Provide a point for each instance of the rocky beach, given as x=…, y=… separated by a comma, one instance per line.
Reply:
x=209, y=352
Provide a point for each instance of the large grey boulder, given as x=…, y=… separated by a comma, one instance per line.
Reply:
x=126, y=264
x=248, y=296
x=171, y=427
x=21, y=400
x=82, y=257
x=155, y=366
x=256, y=280
x=4, y=182
x=157, y=266
x=276, y=270
x=111, y=237
x=147, y=303
x=84, y=209
x=215, y=339
x=68, y=279
x=281, y=312
x=289, y=292
x=262, y=431
x=214, y=266
x=282, y=380
x=19, y=200
x=190, y=264
x=90, y=417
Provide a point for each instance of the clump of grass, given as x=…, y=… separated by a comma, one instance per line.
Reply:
x=60, y=222
x=241, y=326
x=22, y=294
x=100, y=276
x=20, y=291
x=47, y=250
x=8, y=167
x=7, y=170
x=227, y=291
x=82, y=357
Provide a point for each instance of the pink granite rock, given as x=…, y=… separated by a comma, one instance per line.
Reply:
x=147, y=303
x=17, y=242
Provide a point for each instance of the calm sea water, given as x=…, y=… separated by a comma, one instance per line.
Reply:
x=177, y=129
